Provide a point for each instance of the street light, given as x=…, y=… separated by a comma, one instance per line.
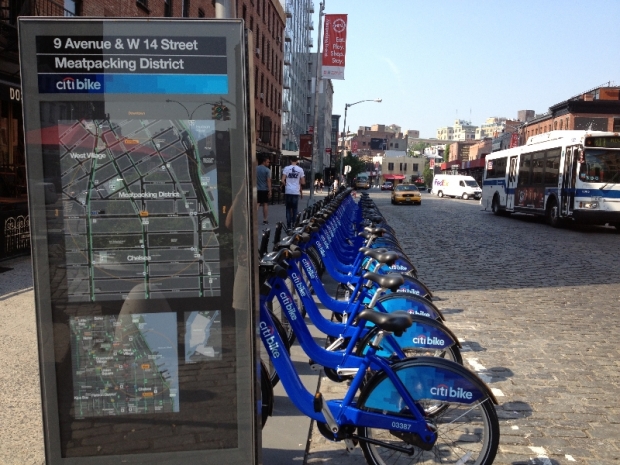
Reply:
x=344, y=127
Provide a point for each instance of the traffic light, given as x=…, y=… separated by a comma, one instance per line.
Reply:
x=225, y=113
x=216, y=112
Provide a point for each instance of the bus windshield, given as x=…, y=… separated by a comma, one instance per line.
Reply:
x=600, y=165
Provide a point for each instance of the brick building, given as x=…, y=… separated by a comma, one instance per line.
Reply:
x=597, y=109
x=374, y=140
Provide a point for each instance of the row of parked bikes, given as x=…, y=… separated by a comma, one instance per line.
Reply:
x=409, y=398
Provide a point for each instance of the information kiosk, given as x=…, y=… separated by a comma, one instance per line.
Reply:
x=140, y=229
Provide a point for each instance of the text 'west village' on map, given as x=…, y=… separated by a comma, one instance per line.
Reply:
x=140, y=209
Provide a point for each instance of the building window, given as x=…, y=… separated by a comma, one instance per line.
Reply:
x=185, y=12
x=168, y=8
x=396, y=145
x=616, y=127
x=415, y=167
x=390, y=166
x=201, y=13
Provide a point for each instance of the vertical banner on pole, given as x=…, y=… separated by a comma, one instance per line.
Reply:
x=334, y=46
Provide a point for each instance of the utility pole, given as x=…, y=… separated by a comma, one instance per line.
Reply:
x=315, y=131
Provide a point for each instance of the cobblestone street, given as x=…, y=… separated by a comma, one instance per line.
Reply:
x=536, y=310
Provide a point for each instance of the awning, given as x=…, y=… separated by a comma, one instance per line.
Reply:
x=396, y=177
x=290, y=153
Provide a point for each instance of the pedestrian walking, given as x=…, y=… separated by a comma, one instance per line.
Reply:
x=293, y=177
x=316, y=186
x=335, y=185
x=263, y=185
x=321, y=185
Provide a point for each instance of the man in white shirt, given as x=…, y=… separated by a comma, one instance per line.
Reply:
x=294, y=178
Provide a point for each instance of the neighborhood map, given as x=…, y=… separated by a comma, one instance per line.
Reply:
x=125, y=364
x=140, y=206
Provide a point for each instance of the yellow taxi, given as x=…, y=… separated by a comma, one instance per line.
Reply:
x=406, y=193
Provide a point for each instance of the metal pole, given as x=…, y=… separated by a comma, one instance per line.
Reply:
x=223, y=9
x=315, y=132
x=344, y=132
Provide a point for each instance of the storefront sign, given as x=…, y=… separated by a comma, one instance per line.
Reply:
x=140, y=226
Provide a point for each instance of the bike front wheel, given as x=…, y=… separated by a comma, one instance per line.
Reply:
x=467, y=432
x=467, y=435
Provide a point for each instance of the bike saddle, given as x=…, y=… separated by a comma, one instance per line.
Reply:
x=396, y=322
x=391, y=281
x=287, y=241
x=381, y=255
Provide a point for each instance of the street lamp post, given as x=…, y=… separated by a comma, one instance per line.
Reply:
x=344, y=129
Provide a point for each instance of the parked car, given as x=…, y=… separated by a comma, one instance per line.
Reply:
x=387, y=186
x=406, y=193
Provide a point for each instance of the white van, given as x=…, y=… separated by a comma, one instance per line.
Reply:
x=456, y=185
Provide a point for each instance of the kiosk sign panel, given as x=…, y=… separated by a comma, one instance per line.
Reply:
x=139, y=228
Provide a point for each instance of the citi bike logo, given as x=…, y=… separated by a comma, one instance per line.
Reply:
x=408, y=291
x=70, y=83
x=298, y=284
x=320, y=247
x=288, y=305
x=398, y=267
x=431, y=341
x=446, y=391
x=270, y=340
x=415, y=311
x=309, y=269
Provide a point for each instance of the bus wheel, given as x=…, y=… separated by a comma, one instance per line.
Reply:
x=495, y=206
x=553, y=214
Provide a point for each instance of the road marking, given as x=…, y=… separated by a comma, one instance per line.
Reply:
x=478, y=368
x=474, y=363
x=514, y=427
x=498, y=393
x=570, y=458
x=541, y=454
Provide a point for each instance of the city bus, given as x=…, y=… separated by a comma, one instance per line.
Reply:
x=562, y=175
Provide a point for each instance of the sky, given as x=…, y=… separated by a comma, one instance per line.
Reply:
x=435, y=61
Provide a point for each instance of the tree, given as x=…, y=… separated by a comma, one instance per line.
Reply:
x=428, y=174
x=357, y=166
x=417, y=147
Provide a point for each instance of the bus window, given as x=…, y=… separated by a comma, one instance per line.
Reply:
x=524, y=169
x=600, y=165
x=497, y=168
x=538, y=166
x=552, y=167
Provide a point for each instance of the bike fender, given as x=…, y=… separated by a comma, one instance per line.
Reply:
x=428, y=378
x=429, y=333
x=414, y=304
